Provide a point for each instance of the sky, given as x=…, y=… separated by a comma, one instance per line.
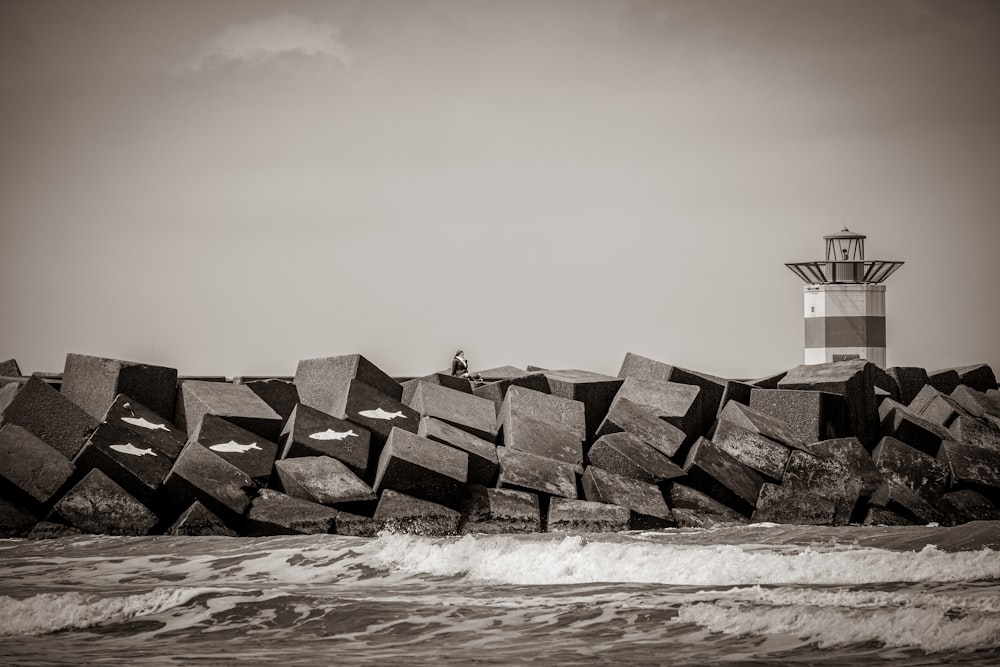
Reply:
x=228, y=187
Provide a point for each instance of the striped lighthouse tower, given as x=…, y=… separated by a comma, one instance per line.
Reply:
x=845, y=302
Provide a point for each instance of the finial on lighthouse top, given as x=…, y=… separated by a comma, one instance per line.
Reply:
x=845, y=262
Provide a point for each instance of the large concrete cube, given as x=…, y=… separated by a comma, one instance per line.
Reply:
x=93, y=382
x=131, y=415
x=718, y=474
x=529, y=472
x=496, y=390
x=43, y=411
x=15, y=520
x=97, y=505
x=752, y=449
x=199, y=521
x=401, y=513
x=644, y=501
x=944, y=380
x=676, y=403
x=848, y=453
x=483, y=463
x=977, y=376
x=486, y=510
x=281, y=395
x=694, y=509
x=30, y=470
x=586, y=516
x=914, y=430
x=854, y=380
x=310, y=432
x=375, y=411
x=967, y=505
x=236, y=403
x=971, y=465
x=909, y=380
x=643, y=422
x=275, y=513
x=974, y=402
x=905, y=502
x=624, y=454
x=323, y=480
x=811, y=415
x=324, y=382
x=778, y=503
x=422, y=468
x=201, y=474
x=811, y=477
x=900, y=463
x=528, y=434
x=247, y=451
x=461, y=384
x=134, y=461
x=463, y=410
x=594, y=390
x=712, y=388
x=971, y=431
x=565, y=414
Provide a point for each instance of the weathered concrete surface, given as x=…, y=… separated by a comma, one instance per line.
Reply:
x=976, y=403
x=496, y=390
x=483, y=463
x=29, y=466
x=375, y=411
x=909, y=380
x=880, y=516
x=466, y=411
x=977, y=376
x=943, y=410
x=135, y=463
x=783, y=504
x=970, y=431
x=528, y=472
x=969, y=464
x=310, y=432
x=644, y=423
x=770, y=381
x=93, y=382
x=712, y=388
x=400, y=513
x=851, y=379
x=719, y=475
x=323, y=480
x=15, y=520
x=199, y=521
x=47, y=530
x=201, y=474
x=493, y=511
x=443, y=379
x=563, y=413
x=645, y=501
x=693, y=509
x=926, y=394
x=356, y=525
x=527, y=434
x=763, y=424
x=885, y=383
x=9, y=368
x=49, y=415
x=887, y=406
x=97, y=505
x=236, y=403
x=128, y=413
x=422, y=468
x=967, y=505
x=594, y=390
x=914, y=430
x=900, y=463
x=735, y=391
x=624, y=454
x=275, y=513
x=850, y=454
x=808, y=476
x=810, y=415
x=7, y=393
x=247, y=451
x=585, y=516
x=752, y=449
x=901, y=500
x=324, y=382
x=281, y=395
x=944, y=380
x=678, y=404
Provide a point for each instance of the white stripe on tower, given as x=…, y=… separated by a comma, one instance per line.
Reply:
x=844, y=320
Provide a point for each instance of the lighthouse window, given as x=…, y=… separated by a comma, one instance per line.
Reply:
x=812, y=309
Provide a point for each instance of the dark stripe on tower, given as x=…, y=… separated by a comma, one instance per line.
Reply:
x=854, y=331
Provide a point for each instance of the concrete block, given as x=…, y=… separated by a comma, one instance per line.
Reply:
x=236, y=403
x=909, y=380
x=30, y=470
x=645, y=502
x=93, y=382
x=400, y=513
x=977, y=376
x=736, y=391
x=494, y=511
x=483, y=463
x=199, y=521
x=527, y=434
x=466, y=411
x=565, y=414
x=625, y=454
x=461, y=384
x=132, y=460
x=7, y=393
x=422, y=468
x=758, y=422
x=356, y=525
x=310, y=432
x=586, y=516
x=594, y=390
x=9, y=368
x=323, y=383
x=810, y=416
x=972, y=465
x=644, y=423
x=676, y=403
x=914, y=430
x=496, y=390
x=880, y=516
x=942, y=410
x=275, y=513
x=781, y=504
x=323, y=480
x=970, y=431
x=975, y=403
x=812, y=477
x=506, y=372
x=885, y=382
x=131, y=415
x=901, y=500
x=719, y=475
x=944, y=380
x=15, y=520
x=926, y=394
x=967, y=505
x=850, y=454
x=854, y=380
x=770, y=381
x=887, y=406
x=281, y=395
x=97, y=505
x=375, y=411
x=752, y=449
x=201, y=474
x=529, y=472
x=693, y=509
x=712, y=388
x=247, y=451
x=47, y=530
x=902, y=464
x=49, y=415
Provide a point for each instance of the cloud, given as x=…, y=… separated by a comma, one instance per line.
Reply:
x=266, y=39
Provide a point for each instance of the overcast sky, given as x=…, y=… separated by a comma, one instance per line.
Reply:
x=228, y=187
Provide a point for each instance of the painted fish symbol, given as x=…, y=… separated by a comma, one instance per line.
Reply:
x=379, y=413
x=129, y=448
x=330, y=434
x=234, y=447
x=142, y=422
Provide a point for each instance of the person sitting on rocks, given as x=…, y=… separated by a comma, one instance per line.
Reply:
x=460, y=368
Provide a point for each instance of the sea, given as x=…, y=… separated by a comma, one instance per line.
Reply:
x=762, y=594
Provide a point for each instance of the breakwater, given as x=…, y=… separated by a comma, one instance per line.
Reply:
x=125, y=448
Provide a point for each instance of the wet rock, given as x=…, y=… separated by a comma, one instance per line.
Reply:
x=483, y=463
x=323, y=383
x=644, y=501
x=400, y=513
x=30, y=470
x=693, y=509
x=244, y=449
x=528, y=472
x=236, y=403
x=422, y=468
x=900, y=463
x=676, y=403
x=813, y=477
x=850, y=454
x=851, y=379
x=586, y=516
x=811, y=416
x=47, y=530
x=496, y=390
x=375, y=411
x=444, y=379
x=94, y=382
x=310, y=432
x=281, y=395
x=356, y=525
x=323, y=480
x=753, y=450
x=132, y=460
x=466, y=411
x=624, y=454
x=274, y=513
x=970, y=431
x=486, y=510
x=594, y=390
x=15, y=520
x=967, y=505
x=977, y=376
x=201, y=474
x=909, y=379
x=778, y=503
x=880, y=516
x=563, y=413
x=901, y=500
x=131, y=415
x=97, y=505
x=49, y=415
x=199, y=521
x=968, y=464
x=722, y=477
x=914, y=430
x=944, y=380
x=644, y=423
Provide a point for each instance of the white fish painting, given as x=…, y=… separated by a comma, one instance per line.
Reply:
x=129, y=448
x=330, y=434
x=234, y=447
x=379, y=413
x=142, y=422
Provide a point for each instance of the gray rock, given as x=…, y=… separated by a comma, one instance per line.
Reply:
x=400, y=513
x=281, y=395
x=133, y=460
x=850, y=454
x=496, y=390
x=49, y=415
x=942, y=410
x=624, y=454
x=199, y=521
x=564, y=414
x=201, y=474
x=30, y=466
x=97, y=505
x=310, y=432
x=47, y=530
x=975, y=403
x=9, y=368
x=969, y=464
x=831, y=479
x=901, y=500
x=527, y=434
x=967, y=505
x=93, y=382
x=693, y=509
x=752, y=449
x=356, y=525
x=944, y=380
x=493, y=511
x=585, y=516
x=274, y=513
x=15, y=520
x=909, y=380
x=374, y=411
x=977, y=376
x=483, y=463
x=466, y=411
x=246, y=450
x=971, y=431
x=323, y=480
x=644, y=501
x=323, y=383
x=528, y=472
x=900, y=463
x=719, y=475
x=926, y=394
x=236, y=403
x=778, y=503
x=854, y=380
x=914, y=430
x=644, y=423
x=594, y=390
x=422, y=468
x=737, y=392
x=811, y=416
x=444, y=379
x=128, y=413
x=676, y=403
x=880, y=516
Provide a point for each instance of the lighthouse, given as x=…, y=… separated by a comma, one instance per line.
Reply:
x=845, y=301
